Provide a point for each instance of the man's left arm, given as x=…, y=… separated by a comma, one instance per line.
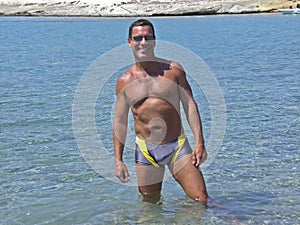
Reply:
x=193, y=117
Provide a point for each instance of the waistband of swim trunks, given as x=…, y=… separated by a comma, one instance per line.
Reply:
x=181, y=136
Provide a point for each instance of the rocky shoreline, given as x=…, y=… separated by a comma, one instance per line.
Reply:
x=135, y=8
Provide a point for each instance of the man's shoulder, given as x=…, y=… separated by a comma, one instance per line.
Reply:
x=176, y=65
x=126, y=76
x=172, y=64
x=125, y=79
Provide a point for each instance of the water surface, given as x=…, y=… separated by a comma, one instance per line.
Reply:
x=44, y=178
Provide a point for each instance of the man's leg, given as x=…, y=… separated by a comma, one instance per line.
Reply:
x=190, y=178
x=150, y=182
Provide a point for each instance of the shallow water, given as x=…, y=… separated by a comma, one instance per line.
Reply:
x=255, y=175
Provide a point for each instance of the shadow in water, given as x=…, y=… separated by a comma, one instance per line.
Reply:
x=178, y=211
x=242, y=207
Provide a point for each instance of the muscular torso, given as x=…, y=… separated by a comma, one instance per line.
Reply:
x=154, y=101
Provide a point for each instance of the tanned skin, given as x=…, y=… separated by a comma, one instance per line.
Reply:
x=153, y=89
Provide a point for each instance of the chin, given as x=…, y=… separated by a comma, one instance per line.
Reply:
x=141, y=57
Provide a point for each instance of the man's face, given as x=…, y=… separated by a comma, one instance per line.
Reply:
x=142, y=42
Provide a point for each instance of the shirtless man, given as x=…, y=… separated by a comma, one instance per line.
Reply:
x=153, y=89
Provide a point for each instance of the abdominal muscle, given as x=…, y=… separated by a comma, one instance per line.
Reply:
x=156, y=120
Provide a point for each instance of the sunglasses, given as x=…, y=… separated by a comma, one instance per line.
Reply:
x=140, y=38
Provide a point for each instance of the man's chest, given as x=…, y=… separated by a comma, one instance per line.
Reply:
x=144, y=87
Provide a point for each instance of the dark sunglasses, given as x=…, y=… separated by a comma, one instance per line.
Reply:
x=140, y=38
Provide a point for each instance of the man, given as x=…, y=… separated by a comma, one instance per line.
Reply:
x=153, y=89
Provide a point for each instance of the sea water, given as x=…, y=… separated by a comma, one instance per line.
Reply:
x=45, y=178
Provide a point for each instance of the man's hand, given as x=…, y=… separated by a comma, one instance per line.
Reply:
x=121, y=171
x=199, y=155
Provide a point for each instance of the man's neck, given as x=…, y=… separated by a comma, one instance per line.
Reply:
x=146, y=65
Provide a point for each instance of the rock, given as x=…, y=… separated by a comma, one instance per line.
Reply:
x=128, y=8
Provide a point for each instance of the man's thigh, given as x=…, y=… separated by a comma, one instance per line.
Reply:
x=189, y=177
x=149, y=176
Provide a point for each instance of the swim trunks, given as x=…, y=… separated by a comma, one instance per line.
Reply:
x=159, y=155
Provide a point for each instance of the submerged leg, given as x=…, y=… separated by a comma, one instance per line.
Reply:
x=190, y=178
x=150, y=182
x=151, y=193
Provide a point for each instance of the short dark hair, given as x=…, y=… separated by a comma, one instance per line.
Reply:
x=140, y=22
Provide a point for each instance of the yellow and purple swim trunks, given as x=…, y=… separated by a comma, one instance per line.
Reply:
x=159, y=155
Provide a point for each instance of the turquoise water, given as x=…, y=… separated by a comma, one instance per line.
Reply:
x=44, y=178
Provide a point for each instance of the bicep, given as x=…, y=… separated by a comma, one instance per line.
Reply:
x=184, y=87
x=185, y=90
x=121, y=104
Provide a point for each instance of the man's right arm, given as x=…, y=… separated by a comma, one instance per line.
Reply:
x=120, y=131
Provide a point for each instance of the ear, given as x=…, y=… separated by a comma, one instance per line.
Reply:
x=129, y=42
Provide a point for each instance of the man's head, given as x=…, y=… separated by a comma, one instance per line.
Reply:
x=141, y=39
x=140, y=22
